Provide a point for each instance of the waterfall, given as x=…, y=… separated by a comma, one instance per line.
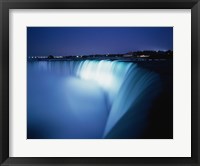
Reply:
x=129, y=88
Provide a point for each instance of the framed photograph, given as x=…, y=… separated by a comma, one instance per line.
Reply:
x=99, y=82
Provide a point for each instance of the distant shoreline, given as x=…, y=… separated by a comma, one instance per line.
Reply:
x=131, y=56
x=99, y=59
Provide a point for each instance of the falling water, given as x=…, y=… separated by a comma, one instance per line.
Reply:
x=128, y=89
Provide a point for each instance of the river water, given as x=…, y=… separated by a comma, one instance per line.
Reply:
x=91, y=99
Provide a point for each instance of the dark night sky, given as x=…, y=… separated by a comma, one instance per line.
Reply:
x=62, y=41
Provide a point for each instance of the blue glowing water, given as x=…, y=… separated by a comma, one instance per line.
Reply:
x=88, y=99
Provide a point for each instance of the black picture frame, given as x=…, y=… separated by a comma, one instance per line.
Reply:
x=5, y=5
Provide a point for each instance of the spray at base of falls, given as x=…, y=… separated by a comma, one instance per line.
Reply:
x=130, y=89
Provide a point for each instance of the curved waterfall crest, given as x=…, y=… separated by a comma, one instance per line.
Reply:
x=130, y=89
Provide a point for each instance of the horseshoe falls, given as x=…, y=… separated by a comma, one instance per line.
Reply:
x=90, y=99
